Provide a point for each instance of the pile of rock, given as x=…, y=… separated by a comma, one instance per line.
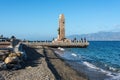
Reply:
x=10, y=60
x=3, y=54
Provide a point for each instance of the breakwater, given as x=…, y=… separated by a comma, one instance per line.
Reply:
x=55, y=45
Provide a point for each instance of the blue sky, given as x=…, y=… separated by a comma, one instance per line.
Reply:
x=38, y=19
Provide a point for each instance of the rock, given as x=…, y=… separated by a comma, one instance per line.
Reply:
x=13, y=66
x=3, y=55
x=10, y=66
x=29, y=67
x=1, y=77
x=12, y=60
x=24, y=55
x=19, y=54
x=12, y=55
x=3, y=65
x=17, y=66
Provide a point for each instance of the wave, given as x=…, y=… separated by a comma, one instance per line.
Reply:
x=61, y=49
x=73, y=54
x=114, y=76
x=57, y=52
x=111, y=68
x=111, y=75
x=90, y=65
x=89, y=68
x=108, y=75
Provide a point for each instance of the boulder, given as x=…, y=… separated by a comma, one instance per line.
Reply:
x=13, y=66
x=17, y=54
x=29, y=67
x=9, y=66
x=3, y=55
x=17, y=66
x=24, y=55
x=12, y=55
x=12, y=60
x=2, y=65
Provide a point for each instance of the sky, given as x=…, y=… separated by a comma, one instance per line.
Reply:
x=38, y=19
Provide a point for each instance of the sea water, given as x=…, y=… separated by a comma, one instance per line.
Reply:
x=99, y=61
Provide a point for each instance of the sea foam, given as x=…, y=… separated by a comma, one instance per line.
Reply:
x=73, y=54
x=90, y=65
x=60, y=48
x=111, y=75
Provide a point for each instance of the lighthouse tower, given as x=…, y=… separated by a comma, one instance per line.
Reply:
x=61, y=29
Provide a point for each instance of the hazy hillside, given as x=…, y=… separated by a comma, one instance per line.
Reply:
x=100, y=36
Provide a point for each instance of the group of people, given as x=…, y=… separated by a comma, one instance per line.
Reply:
x=82, y=40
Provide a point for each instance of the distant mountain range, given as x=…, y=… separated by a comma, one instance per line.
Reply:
x=100, y=36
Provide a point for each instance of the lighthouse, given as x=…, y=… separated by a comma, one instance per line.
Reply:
x=61, y=29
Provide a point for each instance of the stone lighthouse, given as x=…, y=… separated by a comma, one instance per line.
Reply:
x=61, y=29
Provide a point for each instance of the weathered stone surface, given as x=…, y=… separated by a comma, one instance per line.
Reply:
x=13, y=60
x=2, y=65
x=18, y=54
x=16, y=66
x=29, y=67
x=1, y=77
x=24, y=55
x=3, y=55
x=61, y=30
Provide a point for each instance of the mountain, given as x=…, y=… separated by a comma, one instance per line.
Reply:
x=99, y=36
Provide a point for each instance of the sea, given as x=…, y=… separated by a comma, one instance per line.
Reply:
x=99, y=61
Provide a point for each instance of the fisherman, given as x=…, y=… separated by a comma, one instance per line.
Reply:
x=85, y=39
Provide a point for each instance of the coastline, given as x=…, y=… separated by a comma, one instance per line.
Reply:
x=42, y=64
x=81, y=65
x=63, y=69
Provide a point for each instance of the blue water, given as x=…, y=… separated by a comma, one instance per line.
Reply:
x=102, y=55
